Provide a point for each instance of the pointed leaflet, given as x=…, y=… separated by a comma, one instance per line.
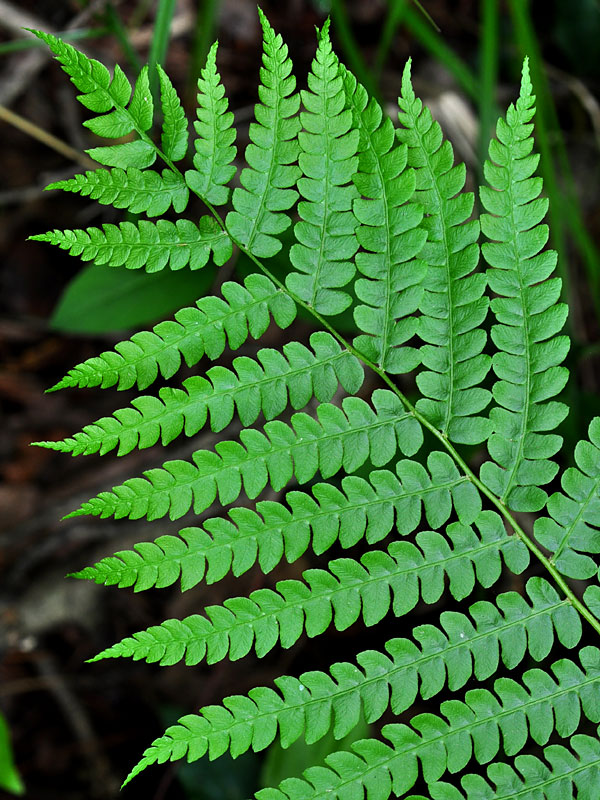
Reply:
x=341, y=438
x=151, y=245
x=529, y=316
x=205, y=330
x=110, y=98
x=311, y=705
x=272, y=154
x=256, y=386
x=361, y=509
x=215, y=149
x=571, y=529
x=390, y=236
x=556, y=778
x=326, y=238
x=346, y=591
x=139, y=191
x=453, y=305
x=174, y=137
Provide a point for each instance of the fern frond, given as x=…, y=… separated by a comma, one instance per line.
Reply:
x=347, y=591
x=139, y=191
x=316, y=702
x=110, y=98
x=256, y=386
x=325, y=237
x=368, y=509
x=269, y=180
x=151, y=245
x=528, y=314
x=453, y=305
x=215, y=148
x=572, y=527
x=174, y=135
x=390, y=290
x=205, y=330
x=341, y=438
x=569, y=772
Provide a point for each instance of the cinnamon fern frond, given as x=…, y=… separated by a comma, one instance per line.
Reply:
x=382, y=229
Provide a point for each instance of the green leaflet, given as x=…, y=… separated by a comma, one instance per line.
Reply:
x=215, y=322
x=254, y=387
x=139, y=191
x=341, y=438
x=325, y=237
x=452, y=305
x=389, y=233
x=347, y=591
x=528, y=315
x=150, y=245
x=368, y=509
x=558, y=776
x=271, y=155
x=174, y=139
x=311, y=705
x=121, y=112
x=215, y=149
x=571, y=529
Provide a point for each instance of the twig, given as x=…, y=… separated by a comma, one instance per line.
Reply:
x=46, y=138
x=103, y=782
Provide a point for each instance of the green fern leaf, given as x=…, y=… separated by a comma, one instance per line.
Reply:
x=341, y=438
x=254, y=387
x=151, y=245
x=389, y=232
x=174, y=138
x=528, y=314
x=110, y=98
x=138, y=191
x=215, y=149
x=195, y=332
x=325, y=236
x=360, y=509
x=453, y=304
x=572, y=527
x=349, y=591
x=317, y=702
x=568, y=772
x=273, y=150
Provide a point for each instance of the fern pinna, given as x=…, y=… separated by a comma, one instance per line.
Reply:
x=381, y=226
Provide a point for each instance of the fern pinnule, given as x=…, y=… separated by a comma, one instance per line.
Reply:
x=383, y=581
x=268, y=183
x=214, y=143
x=139, y=191
x=254, y=387
x=149, y=245
x=360, y=508
x=204, y=330
x=341, y=438
x=317, y=702
x=453, y=305
x=391, y=236
x=119, y=111
x=528, y=314
x=570, y=531
x=325, y=236
x=174, y=134
x=570, y=770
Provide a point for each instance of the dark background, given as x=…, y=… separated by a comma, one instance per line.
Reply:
x=77, y=729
